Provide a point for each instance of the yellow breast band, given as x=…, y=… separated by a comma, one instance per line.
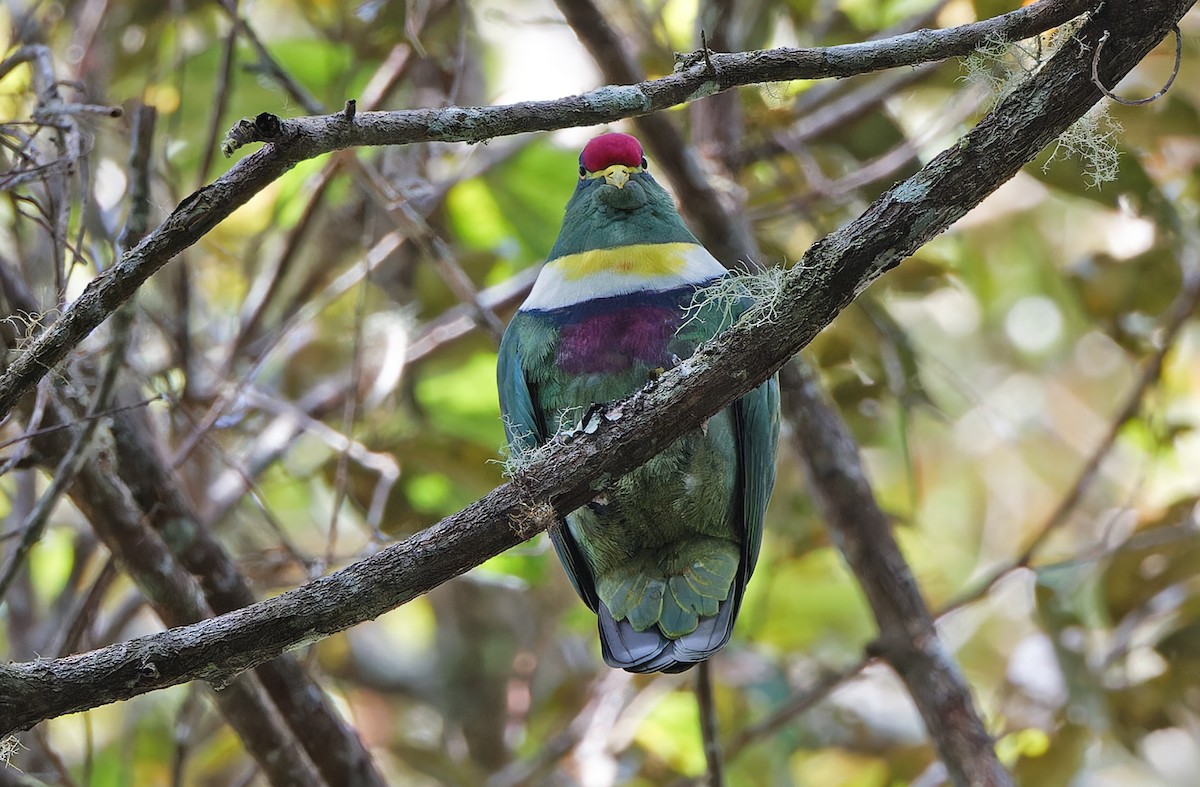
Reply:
x=649, y=259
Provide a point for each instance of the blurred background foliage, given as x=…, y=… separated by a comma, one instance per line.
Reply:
x=325, y=363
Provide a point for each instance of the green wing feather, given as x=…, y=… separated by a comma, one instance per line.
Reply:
x=757, y=418
x=525, y=429
x=523, y=425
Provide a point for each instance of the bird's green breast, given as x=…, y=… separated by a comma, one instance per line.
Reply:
x=605, y=349
x=683, y=505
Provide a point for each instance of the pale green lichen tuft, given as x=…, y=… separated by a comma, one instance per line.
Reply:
x=1093, y=141
x=730, y=294
x=520, y=455
x=9, y=746
x=998, y=68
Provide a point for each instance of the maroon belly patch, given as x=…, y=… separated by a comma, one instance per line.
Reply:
x=613, y=341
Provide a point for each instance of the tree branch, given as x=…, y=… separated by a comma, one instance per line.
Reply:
x=295, y=140
x=568, y=470
x=907, y=637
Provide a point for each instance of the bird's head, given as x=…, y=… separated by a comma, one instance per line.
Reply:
x=616, y=202
x=614, y=166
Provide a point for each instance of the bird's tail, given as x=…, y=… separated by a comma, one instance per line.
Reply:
x=651, y=651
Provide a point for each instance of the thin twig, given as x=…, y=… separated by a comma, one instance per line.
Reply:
x=264, y=291
x=221, y=99
x=73, y=459
x=267, y=62
x=417, y=230
x=797, y=704
x=78, y=621
x=608, y=696
x=1130, y=102
x=309, y=308
x=709, y=727
x=1183, y=307
x=349, y=416
x=862, y=532
x=29, y=435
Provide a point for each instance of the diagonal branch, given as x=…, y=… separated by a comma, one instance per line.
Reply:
x=627, y=433
x=299, y=139
x=907, y=638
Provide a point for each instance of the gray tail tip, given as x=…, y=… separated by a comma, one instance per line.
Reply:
x=625, y=648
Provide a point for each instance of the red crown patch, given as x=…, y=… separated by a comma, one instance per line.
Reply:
x=608, y=149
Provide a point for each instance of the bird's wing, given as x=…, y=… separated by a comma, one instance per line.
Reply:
x=523, y=425
x=757, y=419
x=573, y=563
x=526, y=429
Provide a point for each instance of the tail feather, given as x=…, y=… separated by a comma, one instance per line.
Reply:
x=626, y=648
x=710, y=636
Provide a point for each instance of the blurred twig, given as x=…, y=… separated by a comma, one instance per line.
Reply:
x=349, y=416
x=710, y=730
x=393, y=203
x=1183, y=307
x=797, y=704
x=109, y=506
x=78, y=452
x=81, y=616
x=290, y=419
x=333, y=749
x=907, y=638
x=610, y=694
x=220, y=97
x=267, y=63
x=53, y=113
x=308, y=308
x=418, y=231
x=828, y=118
x=69, y=465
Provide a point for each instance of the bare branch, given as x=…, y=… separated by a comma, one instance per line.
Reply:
x=709, y=729
x=907, y=638
x=1182, y=308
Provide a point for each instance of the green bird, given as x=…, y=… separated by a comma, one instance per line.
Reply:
x=663, y=556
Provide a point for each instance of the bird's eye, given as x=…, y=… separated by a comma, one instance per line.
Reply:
x=645, y=164
x=582, y=171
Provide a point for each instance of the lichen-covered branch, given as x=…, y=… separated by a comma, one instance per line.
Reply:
x=294, y=140
x=627, y=433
